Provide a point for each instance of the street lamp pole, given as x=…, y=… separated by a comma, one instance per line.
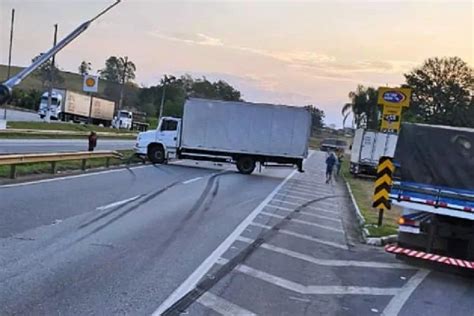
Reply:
x=51, y=75
x=10, y=56
x=163, y=98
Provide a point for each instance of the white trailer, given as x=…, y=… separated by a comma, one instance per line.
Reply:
x=240, y=132
x=368, y=147
x=67, y=105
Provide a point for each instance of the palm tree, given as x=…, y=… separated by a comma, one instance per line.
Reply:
x=364, y=108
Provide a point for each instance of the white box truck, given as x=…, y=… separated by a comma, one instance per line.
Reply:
x=367, y=148
x=239, y=132
x=67, y=105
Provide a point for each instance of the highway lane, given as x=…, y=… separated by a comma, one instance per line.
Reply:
x=55, y=145
x=15, y=115
x=122, y=241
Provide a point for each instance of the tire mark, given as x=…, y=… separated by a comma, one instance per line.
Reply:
x=193, y=210
x=208, y=282
x=128, y=210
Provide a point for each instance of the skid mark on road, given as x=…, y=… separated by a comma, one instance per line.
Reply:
x=183, y=302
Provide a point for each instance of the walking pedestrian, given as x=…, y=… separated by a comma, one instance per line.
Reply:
x=330, y=162
x=92, y=140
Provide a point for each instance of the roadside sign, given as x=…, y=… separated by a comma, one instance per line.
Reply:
x=383, y=186
x=91, y=83
x=393, y=101
x=394, y=96
x=391, y=119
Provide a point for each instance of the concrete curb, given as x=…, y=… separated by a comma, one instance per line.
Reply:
x=373, y=241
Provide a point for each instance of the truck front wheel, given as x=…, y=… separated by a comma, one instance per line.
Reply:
x=156, y=154
x=246, y=164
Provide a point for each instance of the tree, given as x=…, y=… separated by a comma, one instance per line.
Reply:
x=363, y=107
x=442, y=92
x=317, y=118
x=85, y=68
x=178, y=89
x=118, y=69
x=43, y=73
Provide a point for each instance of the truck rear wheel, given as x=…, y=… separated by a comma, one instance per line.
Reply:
x=246, y=164
x=156, y=154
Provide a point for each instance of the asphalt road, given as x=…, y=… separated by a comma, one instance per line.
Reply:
x=54, y=145
x=14, y=115
x=137, y=241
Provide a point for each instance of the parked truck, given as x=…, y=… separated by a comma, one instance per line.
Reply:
x=435, y=188
x=367, y=148
x=67, y=105
x=130, y=120
x=238, y=132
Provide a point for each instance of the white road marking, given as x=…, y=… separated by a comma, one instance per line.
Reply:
x=222, y=306
x=194, y=278
x=298, y=190
x=321, y=187
x=101, y=208
x=327, y=203
x=306, y=237
x=286, y=209
x=299, y=221
x=396, y=303
x=298, y=193
x=309, y=206
x=326, y=262
x=315, y=289
x=70, y=177
x=192, y=180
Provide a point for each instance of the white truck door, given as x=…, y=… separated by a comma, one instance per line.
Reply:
x=366, y=152
x=168, y=133
x=357, y=145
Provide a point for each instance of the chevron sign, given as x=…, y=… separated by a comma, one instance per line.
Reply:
x=383, y=184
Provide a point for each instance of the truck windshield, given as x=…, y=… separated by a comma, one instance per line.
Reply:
x=125, y=115
x=54, y=101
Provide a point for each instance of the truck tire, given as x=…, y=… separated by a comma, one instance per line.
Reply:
x=245, y=164
x=156, y=154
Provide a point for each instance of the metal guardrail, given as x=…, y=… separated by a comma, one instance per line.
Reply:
x=54, y=158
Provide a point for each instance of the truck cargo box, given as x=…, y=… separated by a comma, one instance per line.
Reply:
x=102, y=109
x=243, y=127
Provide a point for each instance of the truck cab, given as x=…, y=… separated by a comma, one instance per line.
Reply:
x=123, y=120
x=56, y=105
x=161, y=144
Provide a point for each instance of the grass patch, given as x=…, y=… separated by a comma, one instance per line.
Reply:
x=63, y=166
x=363, y=190
x=56, y=126
x=16, y=135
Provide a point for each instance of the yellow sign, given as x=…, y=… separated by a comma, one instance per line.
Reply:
x=394, y=96
x=391, y=118
x=91, y=83
x=383, y=184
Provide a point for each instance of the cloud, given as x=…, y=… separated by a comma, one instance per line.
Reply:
x=193, y=39
x=310, y=63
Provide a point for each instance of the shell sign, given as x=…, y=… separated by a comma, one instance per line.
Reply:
x=91, y=83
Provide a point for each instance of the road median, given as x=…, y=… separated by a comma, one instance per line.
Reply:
x=362, y=190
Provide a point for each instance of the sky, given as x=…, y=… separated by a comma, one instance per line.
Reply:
x=285, y=52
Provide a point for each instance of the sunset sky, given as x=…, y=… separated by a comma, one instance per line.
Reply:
x=291, y=52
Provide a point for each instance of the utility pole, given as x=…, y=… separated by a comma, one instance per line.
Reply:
x=51, y=75
x=10, y=56
x=165, y=81
x=125, y=65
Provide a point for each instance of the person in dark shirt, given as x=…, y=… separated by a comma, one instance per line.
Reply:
x=92, y=141
x=330, y=162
